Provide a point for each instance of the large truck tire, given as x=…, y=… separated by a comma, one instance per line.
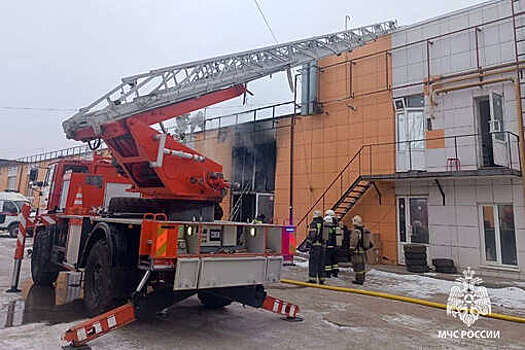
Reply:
x=43, y=271
x=13, y=229
x=101, y=290
x=410, y=255
x=414, y=248
x=416, y=262
x=213, y=300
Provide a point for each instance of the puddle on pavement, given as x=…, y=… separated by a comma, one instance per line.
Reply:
x=38, y=306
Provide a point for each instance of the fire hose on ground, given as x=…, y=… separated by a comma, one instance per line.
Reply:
x=397, y=298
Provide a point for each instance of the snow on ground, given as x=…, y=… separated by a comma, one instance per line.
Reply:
x=424, y=287
x=301, y=262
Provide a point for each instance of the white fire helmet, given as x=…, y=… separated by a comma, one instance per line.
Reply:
x=317, y=214
x=330, y=212
x=357, y=221
x=328, y=219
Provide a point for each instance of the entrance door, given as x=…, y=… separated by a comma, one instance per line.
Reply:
x=499, y=234
x=492, y=138
x=412, y=222
x=410, y=137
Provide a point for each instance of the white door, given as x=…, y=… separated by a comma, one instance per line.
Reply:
x=410, y=137
x=412, y=223
x=499, y=138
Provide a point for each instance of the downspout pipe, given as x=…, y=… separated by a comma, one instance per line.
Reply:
x=292, y=131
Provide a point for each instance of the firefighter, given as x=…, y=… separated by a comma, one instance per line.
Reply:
x=331, y=266
x=343, y=242
x=317, y=249
x=359, y=244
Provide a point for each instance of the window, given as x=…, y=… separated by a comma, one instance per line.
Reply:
x=10, y=207
x=499, y=234
x=11, y=178
x=415, y=101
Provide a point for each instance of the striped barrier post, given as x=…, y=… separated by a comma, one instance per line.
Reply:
x=278, y=306
x=20, y=246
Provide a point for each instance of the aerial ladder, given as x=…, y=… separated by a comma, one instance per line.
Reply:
x=168, y=173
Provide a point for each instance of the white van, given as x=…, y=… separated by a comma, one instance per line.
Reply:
x=11, y=211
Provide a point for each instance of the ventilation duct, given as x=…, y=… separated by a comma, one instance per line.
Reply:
x=309, y=104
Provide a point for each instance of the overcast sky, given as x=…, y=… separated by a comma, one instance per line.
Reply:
x=63, y=54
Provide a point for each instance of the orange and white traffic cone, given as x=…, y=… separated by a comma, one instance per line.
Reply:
x=20, y=246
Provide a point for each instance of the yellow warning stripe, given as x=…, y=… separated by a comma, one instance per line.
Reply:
x=161, y=242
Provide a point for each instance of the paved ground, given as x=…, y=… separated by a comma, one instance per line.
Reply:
x=332, y=320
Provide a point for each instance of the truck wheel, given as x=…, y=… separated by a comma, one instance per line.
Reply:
x=43, y=271
x=13, y=230
x=212, y=300
x=100, y=292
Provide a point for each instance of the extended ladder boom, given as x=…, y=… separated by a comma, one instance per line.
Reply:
x=173, y=84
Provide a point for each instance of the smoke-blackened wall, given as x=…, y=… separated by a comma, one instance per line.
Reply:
x=254, y=156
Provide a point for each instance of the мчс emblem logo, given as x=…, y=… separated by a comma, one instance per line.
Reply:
x=468, y=300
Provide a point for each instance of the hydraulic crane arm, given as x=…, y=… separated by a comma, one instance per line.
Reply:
x=173, y=84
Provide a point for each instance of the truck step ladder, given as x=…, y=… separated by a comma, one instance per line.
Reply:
x=78, y=336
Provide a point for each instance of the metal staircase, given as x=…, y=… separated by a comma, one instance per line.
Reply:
x=346, y=189
x=349, y=199
x=173, y=84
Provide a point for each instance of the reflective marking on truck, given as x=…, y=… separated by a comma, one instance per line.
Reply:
x=276, y=306
x=112, y=321
x=162, y=241
x=283, y=310
x=81, y=334
x=292, y=311
x=98, y=327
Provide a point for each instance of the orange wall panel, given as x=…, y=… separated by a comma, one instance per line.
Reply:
x=346, y=124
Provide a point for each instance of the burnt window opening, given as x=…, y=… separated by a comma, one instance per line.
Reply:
x=254, y=155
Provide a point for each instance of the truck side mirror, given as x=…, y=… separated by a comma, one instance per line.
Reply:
x=33, y=174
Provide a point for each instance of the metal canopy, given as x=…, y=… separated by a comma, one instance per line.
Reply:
x=165, y=86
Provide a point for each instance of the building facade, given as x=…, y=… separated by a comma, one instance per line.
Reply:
x=419, y=132
x=456, y=86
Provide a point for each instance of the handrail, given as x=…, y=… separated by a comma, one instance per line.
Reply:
x=357, y=155
x=330, y=185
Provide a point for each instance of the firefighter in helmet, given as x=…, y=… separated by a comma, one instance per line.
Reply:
x=359, y=244
x=330, y=223
x=317, y=245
